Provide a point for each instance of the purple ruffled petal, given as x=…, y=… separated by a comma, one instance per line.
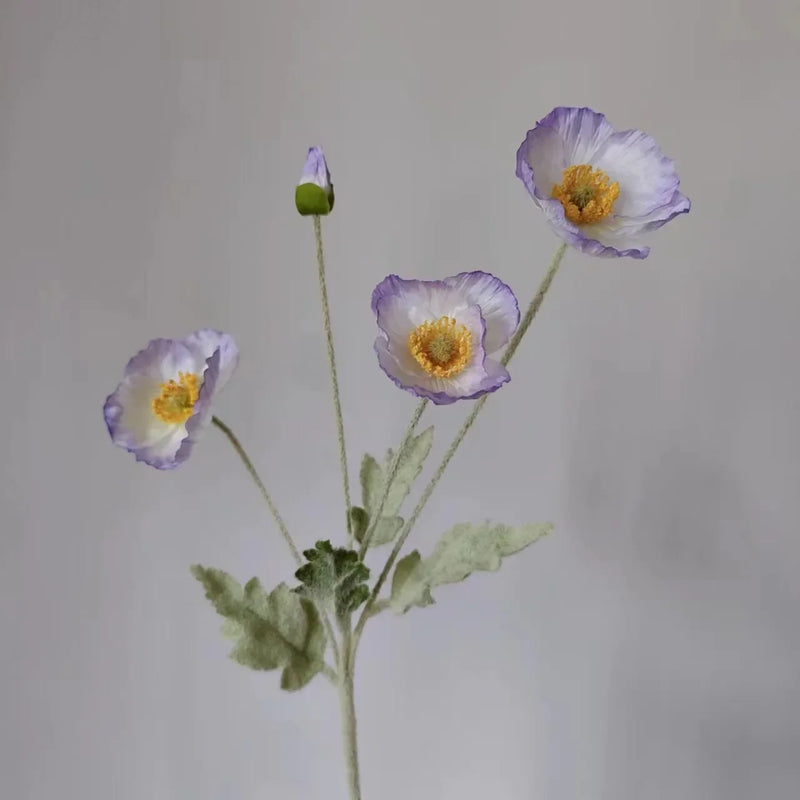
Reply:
x=411, y=292
x=498, y=305
x=201, y=413
x=400, y=365
x=582, y=131
x=128, y=410
x=649, y=196
x=646, y=177
x=316, y=169
x=206, y=341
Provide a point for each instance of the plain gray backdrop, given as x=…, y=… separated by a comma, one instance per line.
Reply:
x=650, y=649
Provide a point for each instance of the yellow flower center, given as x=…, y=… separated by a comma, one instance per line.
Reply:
x=176, y=401
x=586, y=194
x=441, y=348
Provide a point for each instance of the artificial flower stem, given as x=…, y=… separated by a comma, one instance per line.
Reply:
x=337, y=405
x=533, y=308
x=348, y=707
x=527, y=319
x=376, y=517
x=237, y=446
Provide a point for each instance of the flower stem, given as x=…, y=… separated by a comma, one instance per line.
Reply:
x=348, y=707
x=337, y=405
x=534, y=306
x=390, y=476
x=237, y=446
x=522, y=329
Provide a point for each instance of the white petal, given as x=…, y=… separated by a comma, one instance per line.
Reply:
x=136, y=395
x=498, y=305
x=204, y=343
x=647, y=179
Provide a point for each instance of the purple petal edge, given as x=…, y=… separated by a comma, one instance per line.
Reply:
x=554, y=211
x=392, y=284
x=440, y=398
x=112, y=408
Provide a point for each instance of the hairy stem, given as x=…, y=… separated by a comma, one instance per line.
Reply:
x=348, y=707
x=390, y=476
x=522, y=329
x=337, y=404
x=237, y=446
x=242, y=453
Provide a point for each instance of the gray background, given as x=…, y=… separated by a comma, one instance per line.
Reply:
x=148, y=154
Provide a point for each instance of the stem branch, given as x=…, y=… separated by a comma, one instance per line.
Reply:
x=237, y=446
x=390, y=476
x=522, y=329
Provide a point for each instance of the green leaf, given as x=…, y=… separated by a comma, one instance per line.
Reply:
x=408, y=584
x=464, y=549
x=334, y=577
x=359, y=520
x=386, y=531
x=270, y=631
x=373, y=477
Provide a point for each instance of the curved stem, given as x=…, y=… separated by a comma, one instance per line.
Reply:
x=390, y=476
x=242, y=453
x=237, y=446
x=522, y=329
x=337, y=404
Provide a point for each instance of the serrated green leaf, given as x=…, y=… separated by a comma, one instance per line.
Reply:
x=270, y=631
x=373, y=477
x=464, y=549
x=334, y=577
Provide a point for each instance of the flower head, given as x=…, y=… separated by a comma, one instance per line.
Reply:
x=437, y=334
x=163, y=403
x=601, y=190
x=314, y=194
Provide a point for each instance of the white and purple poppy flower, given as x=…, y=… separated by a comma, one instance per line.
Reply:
x=163, y=403
x=437, y=335
x=314, y=193
x=601, y=190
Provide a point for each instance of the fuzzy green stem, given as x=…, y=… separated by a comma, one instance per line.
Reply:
x=237, y=446
x=534, y=306
x=390, y=476
x=242, y=453
x=522, y=329
x=337, y=404
x=348, y=707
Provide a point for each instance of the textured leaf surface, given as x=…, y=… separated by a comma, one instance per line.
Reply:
x=335, y=577
x=373, y=477
x=464, y=549
x=270, y=631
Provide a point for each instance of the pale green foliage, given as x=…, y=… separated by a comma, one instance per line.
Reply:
x=373, y=477
x=270, y=631
x=334, y=577
x=464, y=549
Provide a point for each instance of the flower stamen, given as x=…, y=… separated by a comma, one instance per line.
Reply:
x=586, y=194
x=176, y=402
x=442, y=348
